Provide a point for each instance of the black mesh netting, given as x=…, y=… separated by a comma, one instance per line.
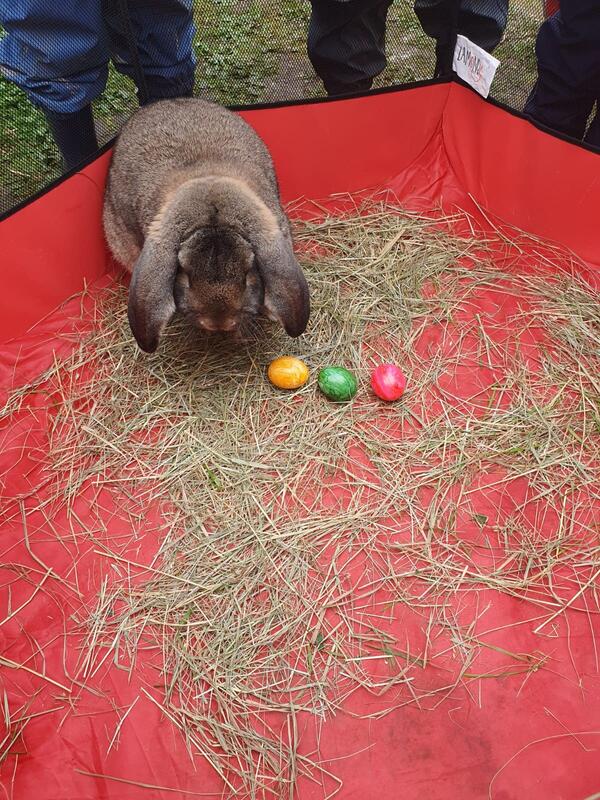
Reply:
x=246, y=52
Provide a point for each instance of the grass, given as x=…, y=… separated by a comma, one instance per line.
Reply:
x=249, y=51
x=410, y=53
x=28, y=155
x=518, y=68
x=234, y=51
x=310, y=549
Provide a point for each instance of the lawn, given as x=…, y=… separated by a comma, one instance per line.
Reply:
x=250, y=51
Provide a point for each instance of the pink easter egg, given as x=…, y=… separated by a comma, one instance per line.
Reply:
x=388, y=382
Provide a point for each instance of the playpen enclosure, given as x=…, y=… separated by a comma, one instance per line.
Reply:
x=434, y=145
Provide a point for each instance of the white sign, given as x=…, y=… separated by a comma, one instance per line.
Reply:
x=474, y=65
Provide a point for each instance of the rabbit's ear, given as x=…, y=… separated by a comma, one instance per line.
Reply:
x=151, y=302
x=286, y=291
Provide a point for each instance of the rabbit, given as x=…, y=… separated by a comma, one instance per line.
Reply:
x=192, y=210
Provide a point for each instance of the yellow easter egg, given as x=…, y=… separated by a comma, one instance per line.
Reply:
x=288, y=372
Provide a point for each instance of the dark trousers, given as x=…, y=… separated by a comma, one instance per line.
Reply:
x=568, y=84
x=346, y=40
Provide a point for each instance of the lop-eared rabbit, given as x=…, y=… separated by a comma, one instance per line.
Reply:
x=192, y=210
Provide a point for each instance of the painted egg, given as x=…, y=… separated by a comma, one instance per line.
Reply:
x=388, y=382
x=288, y=372
x=337, y=384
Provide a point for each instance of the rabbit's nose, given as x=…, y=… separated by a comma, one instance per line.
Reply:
x=229, y=324
x=213, y=325
x=208, y=323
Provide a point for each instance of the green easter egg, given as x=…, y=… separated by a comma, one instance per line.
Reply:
x=337, y=384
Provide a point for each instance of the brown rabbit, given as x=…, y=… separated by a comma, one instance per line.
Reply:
x=192, y=209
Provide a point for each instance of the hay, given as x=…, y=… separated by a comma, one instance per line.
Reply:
x=296, y=531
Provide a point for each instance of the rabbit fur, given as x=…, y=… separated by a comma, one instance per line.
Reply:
x=192, y=210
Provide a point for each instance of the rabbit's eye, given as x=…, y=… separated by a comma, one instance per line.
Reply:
x=183, y=279
x=253, y=278
x=184, y=264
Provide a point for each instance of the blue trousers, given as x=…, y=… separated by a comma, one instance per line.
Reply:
x=58, y=50
x=568, y=84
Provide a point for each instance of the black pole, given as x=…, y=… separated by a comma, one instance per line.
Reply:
x=140, y=78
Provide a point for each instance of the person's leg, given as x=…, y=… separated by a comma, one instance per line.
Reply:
x=439, y=20
x=163, y=32
x=74, y=134
x=346, y=43
x=481, y=21
x=57, y=53
x=568, y=56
